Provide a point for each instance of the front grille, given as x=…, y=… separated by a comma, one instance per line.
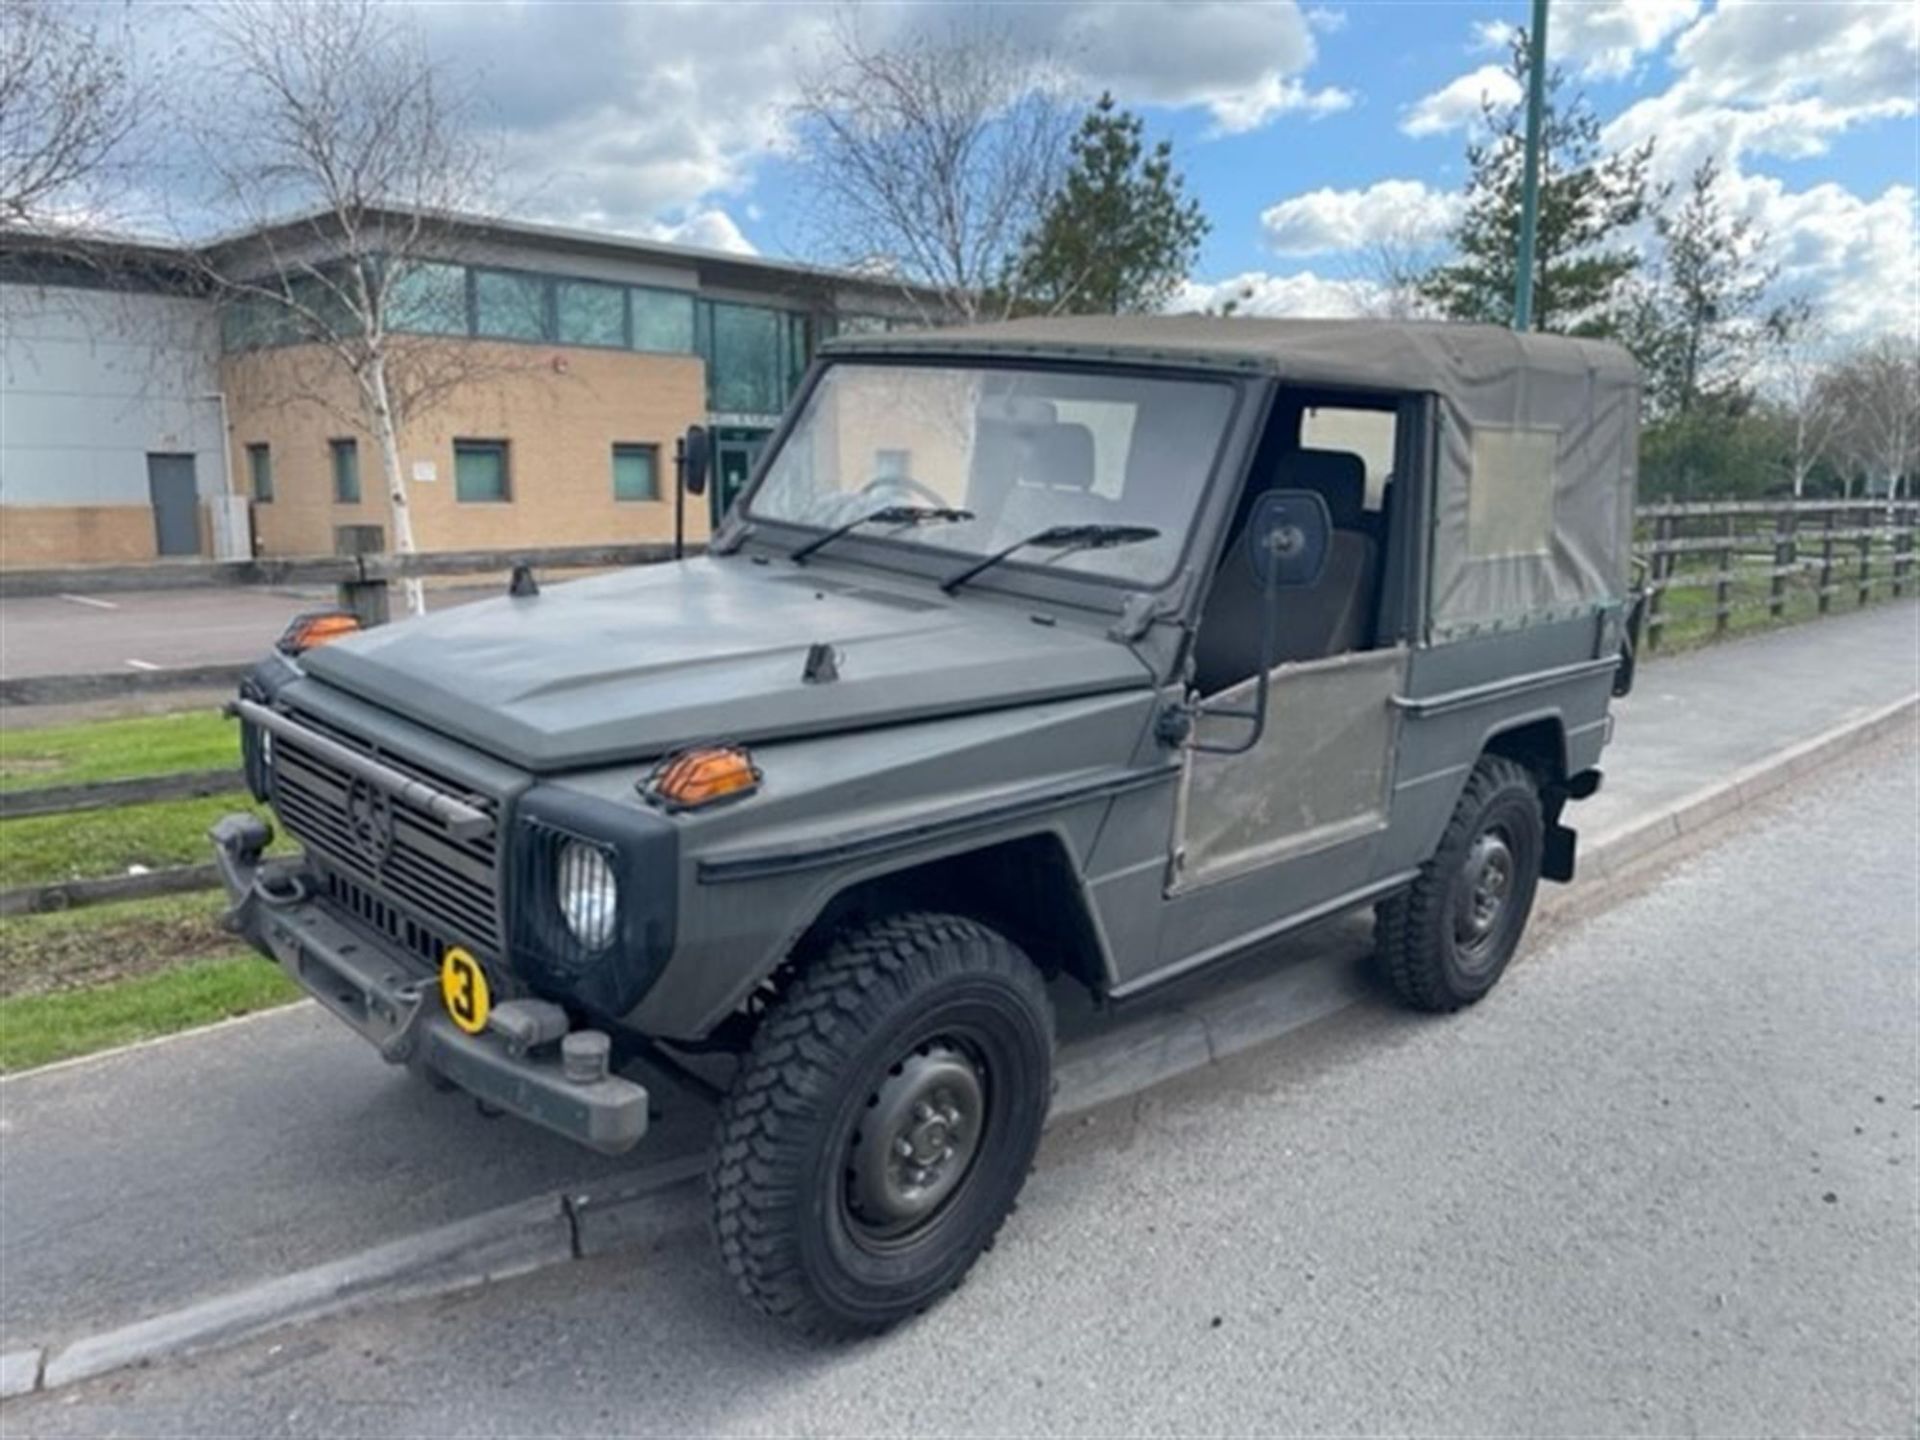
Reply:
x=381, y=918
x=449, y=887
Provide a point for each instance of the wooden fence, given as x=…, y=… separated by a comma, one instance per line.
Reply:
x=1711, y=563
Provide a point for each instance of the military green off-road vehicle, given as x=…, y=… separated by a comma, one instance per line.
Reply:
x=1087, y=652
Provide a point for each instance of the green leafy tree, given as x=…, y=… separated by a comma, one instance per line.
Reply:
x=1589, y=197
x=1700, y=326
x=1120, y=234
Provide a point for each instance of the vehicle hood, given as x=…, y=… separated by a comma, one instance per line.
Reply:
x=631, y=665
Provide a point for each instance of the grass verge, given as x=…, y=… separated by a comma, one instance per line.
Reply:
x=43, y=849
x=39, y=1029
x=117, y=749
x=96, y=944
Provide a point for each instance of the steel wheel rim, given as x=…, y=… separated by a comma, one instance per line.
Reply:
x=1484, y=896
x=916, y=1143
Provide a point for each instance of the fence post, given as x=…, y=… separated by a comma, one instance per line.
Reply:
x=1866, y=562
x=1826, y=563
x=1783, y=556
x=364, y=599
x=1662, y=567
x=1723, y=588
x=1904, y=519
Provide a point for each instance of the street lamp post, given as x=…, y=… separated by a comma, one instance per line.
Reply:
x=1530, y=179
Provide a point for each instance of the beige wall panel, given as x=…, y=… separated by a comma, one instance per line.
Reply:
x=561, y=409
x=36, y=535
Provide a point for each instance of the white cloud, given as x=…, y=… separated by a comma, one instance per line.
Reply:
x=1259, y=293
x=1604, y=40
x=631, y=116
x=707, y=229
x=1326, y=19
x=1406, y=213
x=1236, y=114
x=1600, y=39
x=1459, y=103
x=1760, y=81
x=1241, y=62
x=1858, y=258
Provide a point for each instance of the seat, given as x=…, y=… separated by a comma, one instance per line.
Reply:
x=1329, y=617
x=1051, y=480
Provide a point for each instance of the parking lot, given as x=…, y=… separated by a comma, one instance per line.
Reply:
x=134, y=630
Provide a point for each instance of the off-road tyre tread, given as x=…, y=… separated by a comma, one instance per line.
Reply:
x=786, y=1080
x=1404, y=925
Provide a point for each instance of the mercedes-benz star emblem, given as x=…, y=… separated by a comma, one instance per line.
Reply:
x=370, y=814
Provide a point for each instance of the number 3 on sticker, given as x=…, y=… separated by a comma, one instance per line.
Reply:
x=463, y=986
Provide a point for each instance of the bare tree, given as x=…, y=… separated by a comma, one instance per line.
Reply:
x=933, y=160
x=1806, y=395
x=331, y=111
x=68, y=108
x=1878, y=393
x=1388, y=273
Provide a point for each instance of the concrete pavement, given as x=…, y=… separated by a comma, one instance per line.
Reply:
x=1662, y=1182
x=213, y=1161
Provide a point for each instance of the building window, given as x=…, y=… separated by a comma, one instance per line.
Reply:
x=346, y=471
x=591, y=313
x=745, y=363
x=636, y=472
x=480, y=471
x=428, y=299
x=510, y=305
x=260, y=472
x=662, y=321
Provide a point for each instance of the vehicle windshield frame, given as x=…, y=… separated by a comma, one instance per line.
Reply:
x=1029, y=576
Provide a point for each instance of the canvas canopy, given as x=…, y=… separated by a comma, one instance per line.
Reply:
x=1537, y=449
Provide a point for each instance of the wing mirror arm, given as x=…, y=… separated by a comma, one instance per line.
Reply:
x=691, y=456
x=1257, y=712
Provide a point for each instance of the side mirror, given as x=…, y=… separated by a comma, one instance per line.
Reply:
x=1288, y=536
x=696, y=454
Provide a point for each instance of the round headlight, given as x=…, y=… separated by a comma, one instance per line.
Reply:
x=588, y=895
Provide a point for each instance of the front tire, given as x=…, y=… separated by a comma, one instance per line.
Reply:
x=1445, y=941
x=882, y=1124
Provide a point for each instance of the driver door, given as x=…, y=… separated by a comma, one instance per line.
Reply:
x=1316, y=779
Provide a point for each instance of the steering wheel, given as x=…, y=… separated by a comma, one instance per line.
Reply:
x=907, y=483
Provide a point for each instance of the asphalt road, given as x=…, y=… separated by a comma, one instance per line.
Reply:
x=84, y=634
x=1662, y=1182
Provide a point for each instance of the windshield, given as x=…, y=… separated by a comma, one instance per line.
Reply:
x=1022, y=450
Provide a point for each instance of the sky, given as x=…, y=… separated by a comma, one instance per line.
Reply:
x=1310, y=130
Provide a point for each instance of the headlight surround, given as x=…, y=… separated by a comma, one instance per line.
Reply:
x=588, y=893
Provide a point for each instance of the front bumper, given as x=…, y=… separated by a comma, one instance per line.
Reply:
x=392, y=1000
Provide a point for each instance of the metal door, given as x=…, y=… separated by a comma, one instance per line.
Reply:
x=1318, y=777
x=175, y=497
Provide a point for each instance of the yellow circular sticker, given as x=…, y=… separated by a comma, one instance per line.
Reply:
x=463, y=985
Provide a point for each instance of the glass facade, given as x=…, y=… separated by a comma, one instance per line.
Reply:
x=662, y=321
x=754, y=354
x=428, y=299
x=590, y=313
x=510, y=305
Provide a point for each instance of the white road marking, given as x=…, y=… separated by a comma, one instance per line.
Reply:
x=143, y=665
x=89, y=600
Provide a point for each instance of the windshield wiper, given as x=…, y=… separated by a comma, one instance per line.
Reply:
x=889, y=515
x=1064, y=538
